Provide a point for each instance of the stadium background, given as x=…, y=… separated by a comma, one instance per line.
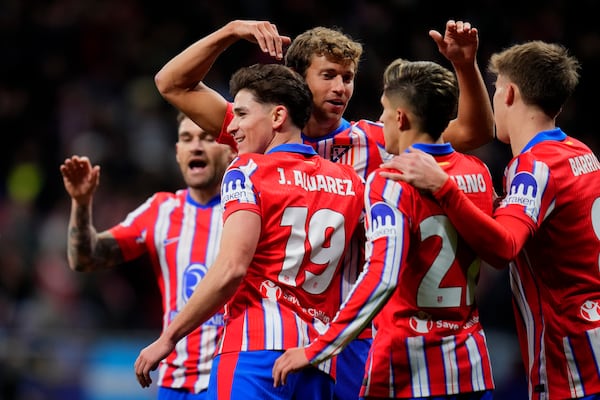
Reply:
x=76, y=77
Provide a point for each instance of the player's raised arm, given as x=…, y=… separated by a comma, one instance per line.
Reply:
x=87, y=249
x=180, y=80
x=474, y=124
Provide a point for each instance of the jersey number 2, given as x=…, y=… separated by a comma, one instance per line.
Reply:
x=430, y=294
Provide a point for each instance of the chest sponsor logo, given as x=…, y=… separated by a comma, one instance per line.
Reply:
x=192, y=276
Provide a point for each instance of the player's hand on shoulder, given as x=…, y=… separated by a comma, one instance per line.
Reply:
x=417, y=168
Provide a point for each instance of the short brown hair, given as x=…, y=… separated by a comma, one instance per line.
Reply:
x=320, y=41
x=276, y=84
x=544, y=72
x=429, y=90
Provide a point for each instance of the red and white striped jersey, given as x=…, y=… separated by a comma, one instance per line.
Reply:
x=181, y=238
x=361, y=145
x=553, y=187
x=309, y=208
x=418, y=287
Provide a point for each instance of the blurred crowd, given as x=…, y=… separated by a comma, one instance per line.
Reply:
x=76, y=77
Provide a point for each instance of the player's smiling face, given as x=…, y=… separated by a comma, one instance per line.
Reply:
x=252, y=123
x=332, y=86
x=201, y=159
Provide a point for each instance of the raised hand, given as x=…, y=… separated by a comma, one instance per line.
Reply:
x=265, y=34
x=80, y=178
x=459, y=43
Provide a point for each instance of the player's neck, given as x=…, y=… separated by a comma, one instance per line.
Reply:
x=287, y=136
x=524, y=129
x=205, y=195
x=318, y=128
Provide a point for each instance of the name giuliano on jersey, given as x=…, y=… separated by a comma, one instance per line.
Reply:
x=419, y=286
x=554, y=187
x=309, y=209
x=182, y=239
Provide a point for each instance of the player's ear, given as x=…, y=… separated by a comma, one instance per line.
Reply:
x=402, y=119
x=279, y=115
x=511, y=93
x=177, y=152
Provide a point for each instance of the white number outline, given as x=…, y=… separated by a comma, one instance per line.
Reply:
x=319, y=224
x=429, y=293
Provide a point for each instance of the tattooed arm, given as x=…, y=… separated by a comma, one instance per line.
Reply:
x=88, y=250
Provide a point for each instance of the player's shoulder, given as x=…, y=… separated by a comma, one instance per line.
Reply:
x=367, y=124
x=471, y=158
x=160, y=197
x=375, y=179
x=249, y=159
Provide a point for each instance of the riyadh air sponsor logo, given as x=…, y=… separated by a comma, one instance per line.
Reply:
x=237, y=185
x=590, y=310
x=523, y=190
x=421, y=322
x=270, y=290
x=192, y=276
x=383, y=221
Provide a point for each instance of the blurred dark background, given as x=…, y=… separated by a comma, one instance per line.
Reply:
x=76, y=77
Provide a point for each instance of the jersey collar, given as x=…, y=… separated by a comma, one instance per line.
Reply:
x=436, y=149
x=212, y=202
x=552, y=134
x=294, y=148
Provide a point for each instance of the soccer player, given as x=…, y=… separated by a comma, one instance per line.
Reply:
x=328, y=61
x=179, y=231
x=547, y=225
x=418, y=284
x=288, y=217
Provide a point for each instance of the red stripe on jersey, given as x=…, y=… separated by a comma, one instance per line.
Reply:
x=181, y=239
x=309, y=208
x=418, y=282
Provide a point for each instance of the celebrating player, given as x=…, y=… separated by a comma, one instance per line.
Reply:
x=179, y=231
x=328, y=61
x=547, y=225
x=418, y=284
x=288, y=218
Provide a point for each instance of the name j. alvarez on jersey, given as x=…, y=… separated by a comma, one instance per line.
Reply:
x=318, y=182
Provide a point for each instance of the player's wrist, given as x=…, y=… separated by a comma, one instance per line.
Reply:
x=442, y=187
